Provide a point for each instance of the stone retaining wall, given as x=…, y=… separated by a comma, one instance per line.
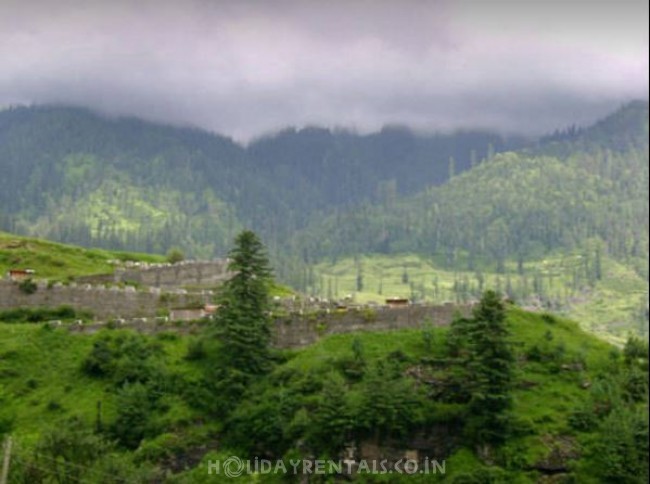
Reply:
x=296, y=330
x=104, y=303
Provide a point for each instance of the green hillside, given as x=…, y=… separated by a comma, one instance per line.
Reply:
x=52, y=382
x=56, y=261
x=621, y=131
x=512, y=207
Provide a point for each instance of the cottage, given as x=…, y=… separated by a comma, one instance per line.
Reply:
x=20, y=275
x=397, y=302
x=210, y=309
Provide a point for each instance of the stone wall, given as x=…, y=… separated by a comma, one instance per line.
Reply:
x=104, y=303
x=302, y=330
x=290, y=331
x=297, y=330
x=185, y=273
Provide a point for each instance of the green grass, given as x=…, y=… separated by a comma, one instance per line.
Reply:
x=52, y=260
x=40, y=366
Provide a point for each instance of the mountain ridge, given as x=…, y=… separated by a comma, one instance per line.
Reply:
x=41, y=146
x=471, y=201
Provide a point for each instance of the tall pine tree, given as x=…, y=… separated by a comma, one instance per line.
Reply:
x=491, y=363
x=242, y=322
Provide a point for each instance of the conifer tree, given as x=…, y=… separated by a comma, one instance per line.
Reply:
x=242, y=321
x=490, y=364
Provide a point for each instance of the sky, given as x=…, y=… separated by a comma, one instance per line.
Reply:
x=244, y=68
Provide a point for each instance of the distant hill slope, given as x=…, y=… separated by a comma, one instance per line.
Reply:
x=75, y=176
x=515, y=205
x=624, y=130
x=59, y=261
x=509, y=213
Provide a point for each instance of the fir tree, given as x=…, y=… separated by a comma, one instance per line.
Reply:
x=485, y=361
x=490, y=364
x=242, y=321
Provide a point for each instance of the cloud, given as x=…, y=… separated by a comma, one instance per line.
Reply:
x=246, y=67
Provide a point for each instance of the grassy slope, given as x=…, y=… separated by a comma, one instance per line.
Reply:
x=609, y=309
x=41, y=374
x=544, y=403
x=40, y=368
x=59, y=261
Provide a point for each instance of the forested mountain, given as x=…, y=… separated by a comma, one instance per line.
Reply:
x=624, y=130
x=75, y=176
x=553, y=224
x=476, y=204
x=517, y=205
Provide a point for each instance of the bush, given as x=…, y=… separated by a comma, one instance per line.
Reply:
x=583, y=420
x=549, y=318
x=54, y=405
x=6, y=418
x=368, y=315
x=175, y=255
x=38, y=315
x=620, y=454
x=32, y=384
x=635, y=385
x=28, y=286
x=99, y=362
x=125, y=358
x=195, y=350
x=134, y=408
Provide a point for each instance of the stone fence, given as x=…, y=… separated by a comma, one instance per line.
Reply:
x=302, y=330
x=142, y=310
x=103, y=302
x=186, y=273
x=298, y=330
x=175, y=275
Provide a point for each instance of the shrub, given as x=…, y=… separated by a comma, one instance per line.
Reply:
x=583, y=420
x=175, y=255
x=28, y=286
x=6, y=418
x=37, y=315
x=368, y=315
x=549, y=318
x=54, y=405
x=125, y=358
x=134, y=407
x=98, y=362
x=195, y=350
x=635, y=385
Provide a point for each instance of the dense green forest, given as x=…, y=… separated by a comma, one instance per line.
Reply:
x=560, y=222
x=74, y=176
x=516, y=205
x=553, y=224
